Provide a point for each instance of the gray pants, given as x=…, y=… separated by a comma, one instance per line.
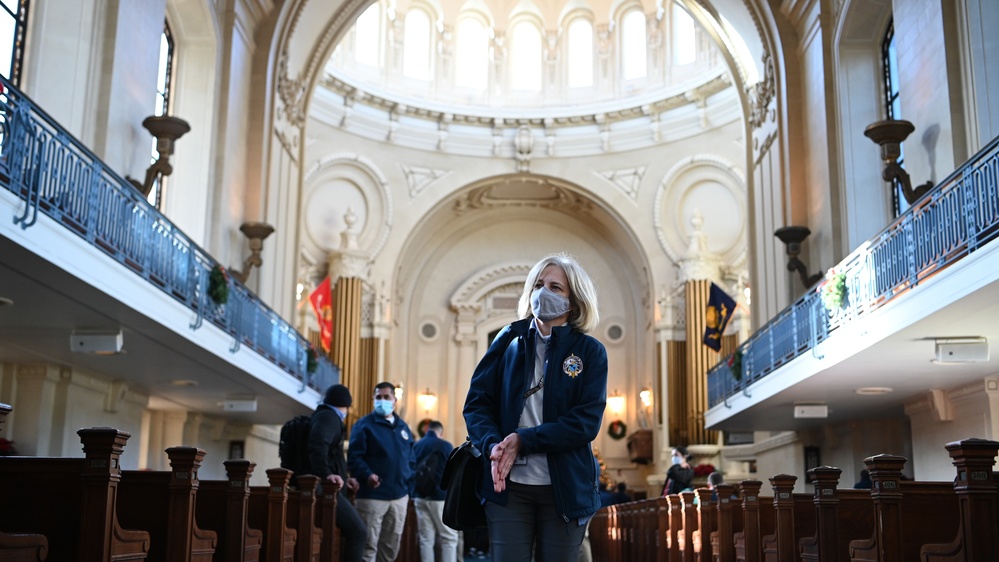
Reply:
x=529, y=528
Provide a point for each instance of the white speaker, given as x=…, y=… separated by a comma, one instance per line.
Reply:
x=240, y=405
x=103, y=343
x=962, y=350
x=811, y=411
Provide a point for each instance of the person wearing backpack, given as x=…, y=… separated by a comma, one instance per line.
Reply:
x=428, y=498
x=327, y=430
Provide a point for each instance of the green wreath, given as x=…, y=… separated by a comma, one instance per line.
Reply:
x=617, y=429
x=311, y=360
x=218, y=285
x=834, y=292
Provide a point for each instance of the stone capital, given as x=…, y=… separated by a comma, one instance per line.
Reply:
x=348, y=265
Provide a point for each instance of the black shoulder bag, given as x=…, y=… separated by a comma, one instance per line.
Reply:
x=463, y=509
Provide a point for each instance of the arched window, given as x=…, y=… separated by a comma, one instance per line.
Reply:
x=580, y=53
x=13, y=23
x=472, y=54
x=416, y=45
x=684, y=40
x=893, y=107
x=367, y=39
x=525, y=57
x=161, y=105
x=633, y=43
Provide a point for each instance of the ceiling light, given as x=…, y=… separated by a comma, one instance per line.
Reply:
x=182, y=382
x=873, y=390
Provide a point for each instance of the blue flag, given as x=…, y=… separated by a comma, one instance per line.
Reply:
x=719, y=312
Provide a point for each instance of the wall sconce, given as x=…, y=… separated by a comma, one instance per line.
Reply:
x=646, y=397
x=889, y=135
x=616, y=404
x=398, y=392
x=166, y=129
x=427, y=400
x=792, y=237
x=256, y=232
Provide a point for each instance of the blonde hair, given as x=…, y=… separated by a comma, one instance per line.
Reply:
x=582, y=294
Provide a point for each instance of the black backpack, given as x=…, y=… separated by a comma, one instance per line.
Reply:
x=425, y=480
x=293, y=448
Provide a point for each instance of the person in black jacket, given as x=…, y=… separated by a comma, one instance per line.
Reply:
x=326, y=460
x=534, y=406
x=433, y=451
x=680, y=474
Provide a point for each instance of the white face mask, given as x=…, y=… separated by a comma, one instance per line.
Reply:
x=677, y=460
x=546, y=305
x=384, y=407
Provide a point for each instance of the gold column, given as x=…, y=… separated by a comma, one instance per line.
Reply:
x=699, y=359
x=676, y=368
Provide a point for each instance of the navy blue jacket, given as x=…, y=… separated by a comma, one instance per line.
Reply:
x=433, y=445
x=573, y=411
x=385, y=448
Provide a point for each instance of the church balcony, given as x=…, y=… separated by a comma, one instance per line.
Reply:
x=916, y=312
x=83, y=252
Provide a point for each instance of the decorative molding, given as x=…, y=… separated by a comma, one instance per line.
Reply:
x=292, y=93
x=762, y=94
x=627, y=180
x=418, y=178
x=349, y=266
x=559, y=198
x=477, y=287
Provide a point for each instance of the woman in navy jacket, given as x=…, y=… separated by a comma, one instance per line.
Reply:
x=535, y=403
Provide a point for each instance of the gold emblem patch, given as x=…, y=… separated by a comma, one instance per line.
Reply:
x=573, y=366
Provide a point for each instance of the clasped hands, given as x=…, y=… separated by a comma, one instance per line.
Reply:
x=502, y=456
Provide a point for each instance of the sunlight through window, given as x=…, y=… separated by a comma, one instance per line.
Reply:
x=580, y=54
x=472, y=51
x=416, y=45
x=525, y=58
x=633, y=45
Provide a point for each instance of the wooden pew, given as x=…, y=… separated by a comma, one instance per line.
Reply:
x=662, y=529
x=72, y=501
x=729, y=523
x=756, y=522
x=907, y=515
x=707, y=523
x=23, y=547
x=688, y=524
x=975, y=488
x=600, y=539
x=794, y=519
x=675, y=524
x=302, y=518
x=326, y=518
x=163, y=503
x=268, y=512
x=222, y=505
x=841, y=516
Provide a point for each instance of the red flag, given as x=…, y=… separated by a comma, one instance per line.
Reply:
x=322, y=303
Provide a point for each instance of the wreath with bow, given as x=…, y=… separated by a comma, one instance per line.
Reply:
x=617, y=429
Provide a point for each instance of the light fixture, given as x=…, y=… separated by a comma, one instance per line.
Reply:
x=889, y=135
x=646, y=397
x=427, y=400
x=166, y=129
x=256, y=232
x=792, y=237
x=961, y=350
x=873, y=390
x=98, y=342
x=398, y=392
x=616, y=403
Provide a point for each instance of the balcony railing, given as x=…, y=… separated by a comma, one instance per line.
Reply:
x=53, y=173
x=957, y=217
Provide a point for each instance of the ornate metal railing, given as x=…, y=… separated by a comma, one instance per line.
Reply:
x=53, y=173
x=957, y=217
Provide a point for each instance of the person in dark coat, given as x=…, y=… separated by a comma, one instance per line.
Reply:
x=534, y=406
x=327, y=430
x=680, y=474
x=430, y=507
